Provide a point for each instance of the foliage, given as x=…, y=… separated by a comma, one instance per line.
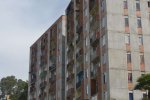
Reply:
x=17, y=89
x=7, y=84
x=143, y=83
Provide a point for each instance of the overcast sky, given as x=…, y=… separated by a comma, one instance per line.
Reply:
x=22, y=22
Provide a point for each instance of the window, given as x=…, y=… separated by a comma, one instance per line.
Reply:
x=105, y=96
x=125, y=4
x=129, y=57
x=126, y=21
x=87, y=90
x=127, y=39
x=103, y=22
x=137, y=5
x=103, y=40
x=87, y=73
x=86, y=41
x=103, y=5
x=140, y=39
x=131, y=96
x=86, y=57
x=149, y=4
x=149, y=16
x=104, y=78
x=142, y=58
x=86, y=26
x=129, y=77
x=104, y=58
x=139, y=23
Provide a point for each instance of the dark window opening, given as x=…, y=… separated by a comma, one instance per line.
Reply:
x=139, y=22
x=126, y=22
x=131, y=96
x=137, y=5
x=149, y=4
x=142, y=59
x=129, y=58
x=125, y=5
x=130, y=77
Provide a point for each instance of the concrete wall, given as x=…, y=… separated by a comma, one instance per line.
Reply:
x=118, y=73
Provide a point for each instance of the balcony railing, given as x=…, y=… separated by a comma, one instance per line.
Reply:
x=52, y=67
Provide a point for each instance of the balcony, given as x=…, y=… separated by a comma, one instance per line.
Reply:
x=70, y=93
x=52, y=59
x=70, y=62
x=32, y=89
x=52, y=67
x=70, y=68
x=79, y=68
x=80, y=77
x=94, y=70
x=43, y=85
x=43, y=74
x=79, y=55
x=94, y=87
x=79, y=29
x=52, y=88
x=95, y=55
x=92, y=4
x=70, y=54
x=42, y=96
x=52, y=79
x=33, y=78
x=94, y=40
x=70, y=77
x=94, y=23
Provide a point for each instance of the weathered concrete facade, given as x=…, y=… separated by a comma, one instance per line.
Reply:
x=114, y=48
x=47, y=64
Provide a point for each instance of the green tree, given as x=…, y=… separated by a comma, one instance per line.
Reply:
x=17, y=89
x=143, y=83
x=7, y=84
x=24, y=93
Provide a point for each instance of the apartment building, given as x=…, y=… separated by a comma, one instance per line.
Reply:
x=47, y=64
x=108, y=48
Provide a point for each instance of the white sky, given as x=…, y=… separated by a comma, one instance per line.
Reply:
x=22, y=22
